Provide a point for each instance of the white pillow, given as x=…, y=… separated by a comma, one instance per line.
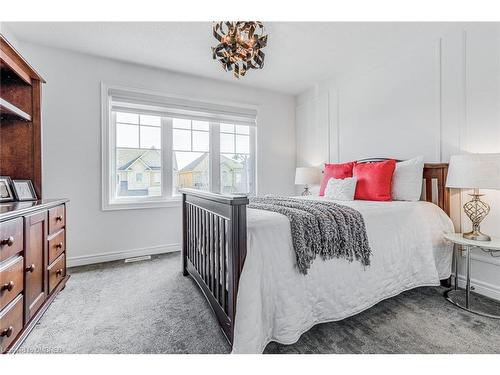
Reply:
x=407, y=180
x=341, y=189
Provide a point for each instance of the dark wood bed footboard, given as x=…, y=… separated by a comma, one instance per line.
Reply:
x=214, y=247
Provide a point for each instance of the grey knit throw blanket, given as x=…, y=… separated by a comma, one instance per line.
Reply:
x=318, y=227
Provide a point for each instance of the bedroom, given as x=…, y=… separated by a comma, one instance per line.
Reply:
x=387, y=125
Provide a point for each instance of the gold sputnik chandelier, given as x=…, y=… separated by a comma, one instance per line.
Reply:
x=240, y=46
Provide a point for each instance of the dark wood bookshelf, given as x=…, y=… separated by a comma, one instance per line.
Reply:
x=32, y=233
x=20, y=117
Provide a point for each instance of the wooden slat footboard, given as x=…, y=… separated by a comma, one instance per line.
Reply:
x=214, y=248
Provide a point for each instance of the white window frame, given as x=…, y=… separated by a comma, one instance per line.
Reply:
x=166, y=199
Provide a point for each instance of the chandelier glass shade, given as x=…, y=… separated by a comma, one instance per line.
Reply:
x=240, y=46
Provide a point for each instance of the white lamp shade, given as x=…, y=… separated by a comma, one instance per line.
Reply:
x=474, y=171
x=307, y=176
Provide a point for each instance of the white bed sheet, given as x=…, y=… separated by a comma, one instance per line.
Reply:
x=277, y=303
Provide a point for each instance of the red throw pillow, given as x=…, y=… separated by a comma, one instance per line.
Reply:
x=335, y=171
x=374, y=180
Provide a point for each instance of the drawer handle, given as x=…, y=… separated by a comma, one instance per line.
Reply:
x=59, y=272
x=7, y=332
x=59, y=218
x=8, y=241
x=59, y=245
x=9, y=286
x=31, y=268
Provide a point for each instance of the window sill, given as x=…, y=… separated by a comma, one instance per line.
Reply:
x=138, y=205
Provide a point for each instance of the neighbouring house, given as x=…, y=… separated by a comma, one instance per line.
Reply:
x=138, y=172
x=195, y=174
x=233, y=174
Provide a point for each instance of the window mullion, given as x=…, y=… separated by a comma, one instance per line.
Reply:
x=214, y=153
x=112, y=157
x=253, y=160
x=191, y=134
x=139, y=135
x=167, y=157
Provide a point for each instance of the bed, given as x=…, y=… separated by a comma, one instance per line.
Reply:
x=243, y=261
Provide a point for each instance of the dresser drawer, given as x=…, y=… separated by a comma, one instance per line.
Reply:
x=57, y=218
x=57, y=245
x=11, y=280
x=11, y=237
x=57, y=271
x=11, y=323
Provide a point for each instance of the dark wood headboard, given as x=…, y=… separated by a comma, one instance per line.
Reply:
x=438, y=172
x=432, y=172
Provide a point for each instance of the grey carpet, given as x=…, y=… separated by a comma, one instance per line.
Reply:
x=149, y=307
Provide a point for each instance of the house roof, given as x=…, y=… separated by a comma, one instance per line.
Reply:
x=128, y=164
x=231, y=163
x=125, y=157
x=194, y=163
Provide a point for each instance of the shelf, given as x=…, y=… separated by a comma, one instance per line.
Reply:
x=11, y=110
x=13, y=71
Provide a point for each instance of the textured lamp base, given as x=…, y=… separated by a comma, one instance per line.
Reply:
x=306, y=191
x=476, y=235
x=476, y=210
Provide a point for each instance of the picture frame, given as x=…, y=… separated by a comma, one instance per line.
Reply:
x=7, y=193
x=24, y=190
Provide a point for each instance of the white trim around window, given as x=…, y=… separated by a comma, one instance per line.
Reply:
x=117, y=98
x=108, y=165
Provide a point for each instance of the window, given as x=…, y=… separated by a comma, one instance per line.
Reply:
x=154, y=145
x=137, y=154
x=235, y=159
x=191, y=154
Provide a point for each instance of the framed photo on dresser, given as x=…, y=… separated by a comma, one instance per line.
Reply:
x=24, y=190
x=6, y=192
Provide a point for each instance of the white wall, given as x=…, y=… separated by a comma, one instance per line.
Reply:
x=72, y=154
x=435, y=96
x=7, y=33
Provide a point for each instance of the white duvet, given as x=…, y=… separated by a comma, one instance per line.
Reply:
x=277, y=303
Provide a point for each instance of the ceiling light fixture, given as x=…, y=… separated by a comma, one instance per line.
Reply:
x=240, y=45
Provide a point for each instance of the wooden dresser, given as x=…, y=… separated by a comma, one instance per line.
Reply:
x=32, y=265
x=32, y=233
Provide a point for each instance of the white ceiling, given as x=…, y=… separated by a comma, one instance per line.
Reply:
x=298, y=55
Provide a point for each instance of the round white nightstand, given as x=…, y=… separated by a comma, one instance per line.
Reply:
x=492, y=247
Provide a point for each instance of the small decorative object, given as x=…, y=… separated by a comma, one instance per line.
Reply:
x=24, y=190
x=307, y=176
x=240, y=46
x=475, y=171
x=6, y=193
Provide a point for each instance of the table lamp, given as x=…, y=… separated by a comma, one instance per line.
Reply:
x=475, y=171
x=307, y=176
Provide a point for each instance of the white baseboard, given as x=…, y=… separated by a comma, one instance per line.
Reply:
x=480, y=287
x=118, y=255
